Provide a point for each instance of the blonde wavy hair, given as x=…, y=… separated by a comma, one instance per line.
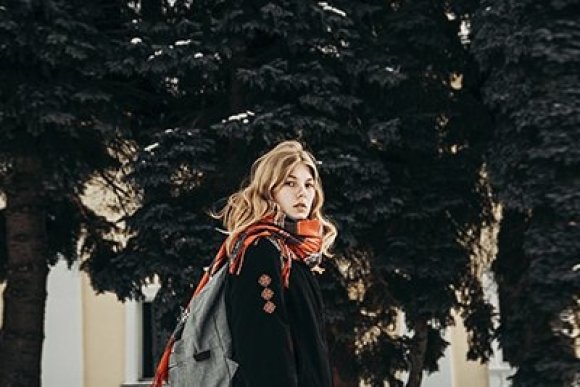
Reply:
x=255, y=200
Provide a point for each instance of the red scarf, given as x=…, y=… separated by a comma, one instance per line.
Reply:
x=297, y=240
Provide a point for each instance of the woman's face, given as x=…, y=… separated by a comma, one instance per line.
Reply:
x=296, y=194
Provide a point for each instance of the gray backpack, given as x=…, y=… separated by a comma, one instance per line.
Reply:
x=201, y=355
x=202, y=351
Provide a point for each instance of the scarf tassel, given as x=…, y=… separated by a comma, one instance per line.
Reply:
x=162, y=372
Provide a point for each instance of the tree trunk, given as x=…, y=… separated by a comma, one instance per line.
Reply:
x=418, y=354
x=22, y=331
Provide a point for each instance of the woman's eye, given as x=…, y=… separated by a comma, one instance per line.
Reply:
x=293, y=184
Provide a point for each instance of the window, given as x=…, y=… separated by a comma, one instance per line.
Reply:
x=147, y=356
x=139, y=340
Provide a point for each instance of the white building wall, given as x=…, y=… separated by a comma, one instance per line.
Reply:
x=499, y=371
x=62, y=356
x=443, y=377
x=134, y=345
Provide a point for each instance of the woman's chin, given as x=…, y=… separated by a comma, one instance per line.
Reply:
x=297, y=216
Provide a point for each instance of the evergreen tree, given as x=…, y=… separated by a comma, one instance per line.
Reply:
x=527, y=52
x=368, y=86
x=413, y=194
x=232, y=80
x=59, y=128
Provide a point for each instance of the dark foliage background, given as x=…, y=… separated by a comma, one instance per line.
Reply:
x=528, y=56
x=61, y=125
x=423, y=115
x=400, y=147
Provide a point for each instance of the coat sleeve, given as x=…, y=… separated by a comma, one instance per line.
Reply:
x=261, y=337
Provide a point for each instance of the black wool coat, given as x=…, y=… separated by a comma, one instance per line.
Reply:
x=277, y=333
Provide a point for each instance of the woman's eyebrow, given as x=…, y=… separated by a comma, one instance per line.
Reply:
x=295, y=178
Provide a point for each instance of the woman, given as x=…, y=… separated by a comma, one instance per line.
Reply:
x=273, y=300
x=277, y=236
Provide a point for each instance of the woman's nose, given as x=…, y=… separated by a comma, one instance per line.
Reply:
x=300, y=191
